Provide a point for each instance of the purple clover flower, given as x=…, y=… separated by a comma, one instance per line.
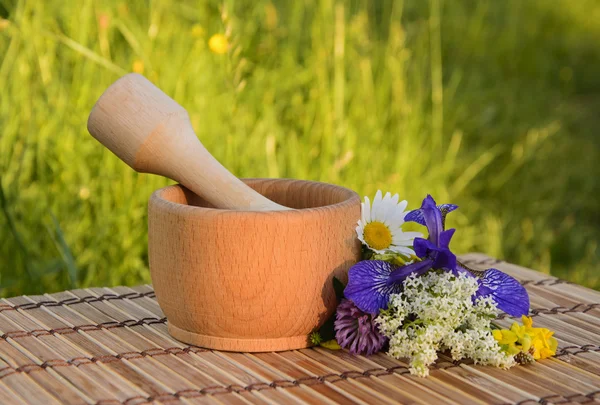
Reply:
x=371, y=282
x=356, y=330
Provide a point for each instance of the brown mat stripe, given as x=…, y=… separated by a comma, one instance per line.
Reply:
x=111, y=346
x=332, y=377
x=551, y=399
x=583, y=308
x=74, y=300
x=557, y=310
x=67, y=330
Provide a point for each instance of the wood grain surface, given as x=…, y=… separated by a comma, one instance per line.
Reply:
x=112, y=346
x=251, y=281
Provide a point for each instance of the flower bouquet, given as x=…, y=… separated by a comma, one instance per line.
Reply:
x=412, y=297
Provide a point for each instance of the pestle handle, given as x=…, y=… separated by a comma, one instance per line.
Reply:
x=150, y=132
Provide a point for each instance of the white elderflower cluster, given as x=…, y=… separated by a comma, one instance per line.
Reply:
x=436, y=312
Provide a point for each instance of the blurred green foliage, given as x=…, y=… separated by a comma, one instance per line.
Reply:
x=492, y=105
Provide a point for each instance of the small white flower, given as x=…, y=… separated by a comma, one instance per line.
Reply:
x=443, y=317
x=380, y=226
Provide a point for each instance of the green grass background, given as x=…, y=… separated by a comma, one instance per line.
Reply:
x=492, y=105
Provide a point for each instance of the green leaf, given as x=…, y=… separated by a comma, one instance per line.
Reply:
x=394, y=258
x=64, y=250
x=339, y=287
x=327, y=331
x=366, y=253
x=331, y=345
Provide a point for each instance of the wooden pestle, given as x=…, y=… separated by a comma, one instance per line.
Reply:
x=150, y=132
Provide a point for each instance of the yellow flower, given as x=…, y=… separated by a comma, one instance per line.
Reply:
x=504, y=336
x=512, y=349
x=537, y=346
x=525, y=342
x=538, y=342
x=218, y=44
x=523, y=331
x=546, y=352
x=517, y=329
x=544, y=343
x=138, y=66
x=544, y=333
x=507, y=339
x=527, y=321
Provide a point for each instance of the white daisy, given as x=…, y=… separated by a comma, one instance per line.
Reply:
x=380, y=226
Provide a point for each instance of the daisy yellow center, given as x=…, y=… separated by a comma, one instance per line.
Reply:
x=378, y=235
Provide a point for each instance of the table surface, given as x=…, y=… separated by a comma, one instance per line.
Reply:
x=111, y=346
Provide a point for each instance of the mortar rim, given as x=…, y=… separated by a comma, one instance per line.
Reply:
x=350, y=199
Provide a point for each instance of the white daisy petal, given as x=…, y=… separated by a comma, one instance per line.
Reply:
x=360, y=230
x=400, y=242
x=376, y=208
x=404, y=250
x=392, y=206
x=362, y=219
x=387, y=212
x=387, y=197
x=402, y=205
x=366, y=208
x=395, y=222
x=412, y=235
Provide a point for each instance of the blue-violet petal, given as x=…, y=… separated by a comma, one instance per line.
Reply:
x=510, y=296
x=368, y=285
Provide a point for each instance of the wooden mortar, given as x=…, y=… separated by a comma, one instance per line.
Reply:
x=251, y=281
x=255, y=274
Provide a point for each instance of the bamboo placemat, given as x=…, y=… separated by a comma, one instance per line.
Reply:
x=111, y=346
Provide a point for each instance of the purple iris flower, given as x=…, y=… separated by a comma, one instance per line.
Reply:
x=436, y=246
x=417, y=215
x=510, y=296
x=506, y=291
x=371, y=282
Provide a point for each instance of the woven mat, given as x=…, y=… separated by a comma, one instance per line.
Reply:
x=111, y=346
